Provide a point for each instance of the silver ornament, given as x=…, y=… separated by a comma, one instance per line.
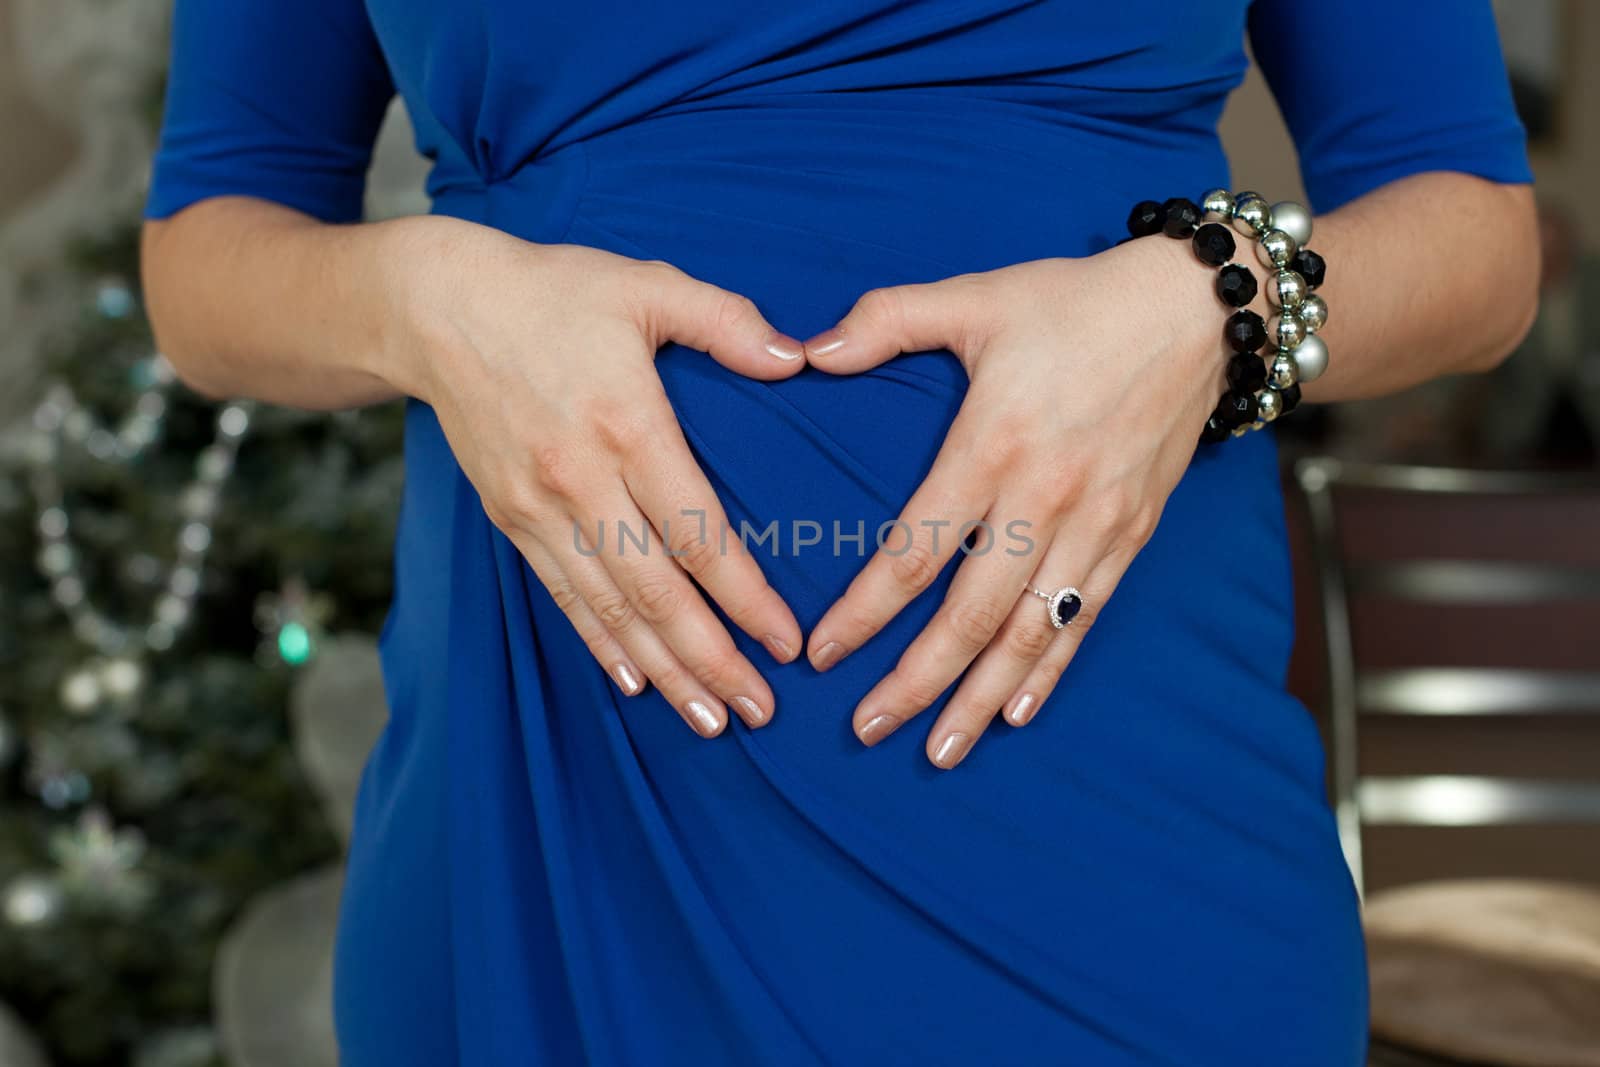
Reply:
x=1218, y=202
x=1252, y=216
x=1277, y=248
x=80, y=691
x=1287, y=290
x=1311, y=359
x=1314, y=312
x=1247, y=194
x=1269, y=405
x=31, y=900
x=1293, y=219
x=121, y=678
x=1288, y=330
x=1282, y=373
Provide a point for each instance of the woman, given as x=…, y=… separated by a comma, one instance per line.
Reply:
x=548, y=867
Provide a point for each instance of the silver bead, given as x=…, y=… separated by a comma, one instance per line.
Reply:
x=1277, y=248
x=1282, y=372
x=1218, y=202
x=1252, y=216
x=1269, y=405
x=1311, y=359
x=1314, y=312
x=1247, y=194
x=1293, y=219
x=1287, y=290
x=1289, y=331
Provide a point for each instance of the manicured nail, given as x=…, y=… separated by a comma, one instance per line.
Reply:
x=780, y=649
x=752, y=713
x=828, y=655
x=627, y=679
x=703, y=719
x=951, y=750
x=1021, y=710
x=877, y=728
x=785, y=347
x=825, y=343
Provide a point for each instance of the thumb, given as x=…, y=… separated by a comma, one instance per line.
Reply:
x=905, y=318
x=726, y=326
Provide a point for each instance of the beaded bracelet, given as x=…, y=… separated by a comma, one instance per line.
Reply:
x=1258, y=392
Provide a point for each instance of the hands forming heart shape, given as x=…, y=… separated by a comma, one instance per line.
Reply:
x=1083, y=411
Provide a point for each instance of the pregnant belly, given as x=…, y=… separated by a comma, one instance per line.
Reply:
x=1169, y=743
x=803, y=206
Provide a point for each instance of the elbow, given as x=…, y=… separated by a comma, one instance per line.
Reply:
x=160, y=260
x=1515, y=285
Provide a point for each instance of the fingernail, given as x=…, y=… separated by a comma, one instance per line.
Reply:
x=753, y=715
x=780, y=649
x=951, y=750
x=626, y=679
x=877, y=728
x=828, y=655
x=1021, y=710
x=825, y=343
x=703, y=719
x=785, y=347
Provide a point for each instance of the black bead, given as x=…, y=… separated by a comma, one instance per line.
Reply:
x=1237, y=409
x=1290, y=398
x=1236, y=285
x=1183, y=216
x=1246, y=373
x=1245, y=331
x=1310, y=266
x=1216, y=430
x=1213, y=243
x=1148, y=218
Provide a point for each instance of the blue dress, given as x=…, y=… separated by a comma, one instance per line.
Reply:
x=546, y=872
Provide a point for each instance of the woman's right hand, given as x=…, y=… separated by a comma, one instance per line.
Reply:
x=539, y=363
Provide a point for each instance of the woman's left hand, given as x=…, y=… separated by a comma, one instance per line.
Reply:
x=1091, y=380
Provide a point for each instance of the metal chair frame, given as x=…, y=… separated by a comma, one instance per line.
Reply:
x=1441, y=800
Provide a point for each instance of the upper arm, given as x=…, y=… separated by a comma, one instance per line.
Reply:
x=275, y=99
x=1375, y=90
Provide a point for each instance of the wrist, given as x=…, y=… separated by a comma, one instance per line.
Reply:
x=413, y=298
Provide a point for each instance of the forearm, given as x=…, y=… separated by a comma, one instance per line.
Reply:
x=252, y=299
x=1432, y=275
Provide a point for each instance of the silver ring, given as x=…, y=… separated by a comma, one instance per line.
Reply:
x=1063, y=605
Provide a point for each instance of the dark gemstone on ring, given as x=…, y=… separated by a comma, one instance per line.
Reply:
x=1246, y=373
x=1245, y=331
x=1183, y=217
x=1213, y=243
x=1067, y=608
x=1216, y=430
x=1310, y=266
x=1237, y=409
x=1236, y=285
x=1148, y=218
x=1290, y=399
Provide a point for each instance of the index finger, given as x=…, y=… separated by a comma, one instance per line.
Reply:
x=939, y=516
x=674, y=494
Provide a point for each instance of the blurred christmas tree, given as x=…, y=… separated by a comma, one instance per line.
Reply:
x=166, y=566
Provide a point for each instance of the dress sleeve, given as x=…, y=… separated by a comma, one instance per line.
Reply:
x=1376, y=90
x=276, y=99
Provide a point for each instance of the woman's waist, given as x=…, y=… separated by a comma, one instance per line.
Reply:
x=809, y=202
